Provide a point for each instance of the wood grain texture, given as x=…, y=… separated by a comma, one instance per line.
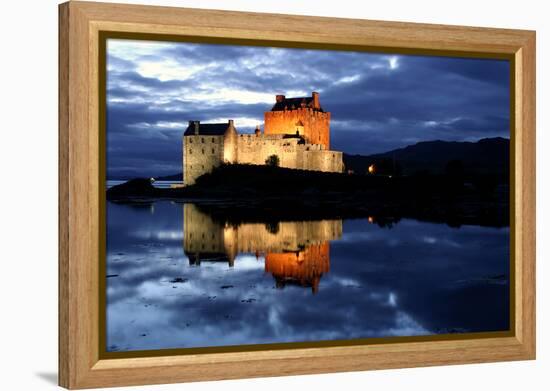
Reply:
x=528, y=189
x=63, y=222
x=80, y=173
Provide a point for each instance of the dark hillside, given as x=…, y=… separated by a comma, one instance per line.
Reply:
x=490, y=156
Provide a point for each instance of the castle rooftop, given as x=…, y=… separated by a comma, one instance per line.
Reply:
x=283, y=103
x=196, y=128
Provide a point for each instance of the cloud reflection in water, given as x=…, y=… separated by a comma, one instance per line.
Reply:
x=259, y=283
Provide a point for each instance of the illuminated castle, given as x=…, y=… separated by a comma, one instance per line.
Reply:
x=296, y=130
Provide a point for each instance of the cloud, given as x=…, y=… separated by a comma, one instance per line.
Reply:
x=378, y=101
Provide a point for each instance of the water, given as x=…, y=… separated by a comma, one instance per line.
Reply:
x=177, y=278
x=159, y=184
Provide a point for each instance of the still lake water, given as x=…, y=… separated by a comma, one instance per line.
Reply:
x=177, y=279
x=159, y=184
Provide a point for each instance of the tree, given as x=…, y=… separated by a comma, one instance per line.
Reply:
x=272, y=161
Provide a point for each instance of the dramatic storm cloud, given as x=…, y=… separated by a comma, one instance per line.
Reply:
x=378, y=101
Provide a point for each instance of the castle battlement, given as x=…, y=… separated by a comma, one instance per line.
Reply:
x=296, y=130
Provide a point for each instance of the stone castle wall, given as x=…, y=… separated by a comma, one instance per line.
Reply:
x=201, y=154
x=255, y=149
x=316, y=124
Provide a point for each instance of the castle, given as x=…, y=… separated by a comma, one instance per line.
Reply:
x=296, y=130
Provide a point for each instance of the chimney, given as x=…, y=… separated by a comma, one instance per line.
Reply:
x=196, y=123
x=257, y=132
x=231, y=123
x=279, y=98
x=316, y=104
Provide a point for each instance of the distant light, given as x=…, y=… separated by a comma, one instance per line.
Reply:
x=372, y=169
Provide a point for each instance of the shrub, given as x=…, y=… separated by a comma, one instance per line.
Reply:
x=272, y=161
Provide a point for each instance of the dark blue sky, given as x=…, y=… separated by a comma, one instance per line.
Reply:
x=378, y=101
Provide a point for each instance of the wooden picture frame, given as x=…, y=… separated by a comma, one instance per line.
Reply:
x=81, y=192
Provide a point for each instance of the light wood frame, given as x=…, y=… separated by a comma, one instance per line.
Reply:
x=80, y=24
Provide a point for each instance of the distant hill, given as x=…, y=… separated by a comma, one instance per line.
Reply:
x=486, y=156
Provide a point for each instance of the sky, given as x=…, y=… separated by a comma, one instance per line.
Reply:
x=378, y=102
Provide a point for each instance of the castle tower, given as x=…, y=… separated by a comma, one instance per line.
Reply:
x=303, y=116
x=230, y=143
x=205, y=147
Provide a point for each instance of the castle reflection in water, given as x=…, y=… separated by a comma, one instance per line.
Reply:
x=295, y=252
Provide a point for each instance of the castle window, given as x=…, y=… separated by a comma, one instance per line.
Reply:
x=213, y=150
x=202, y=140
x=203, y=151
x=213, y=139
x=190, y=140
x=190, y=151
